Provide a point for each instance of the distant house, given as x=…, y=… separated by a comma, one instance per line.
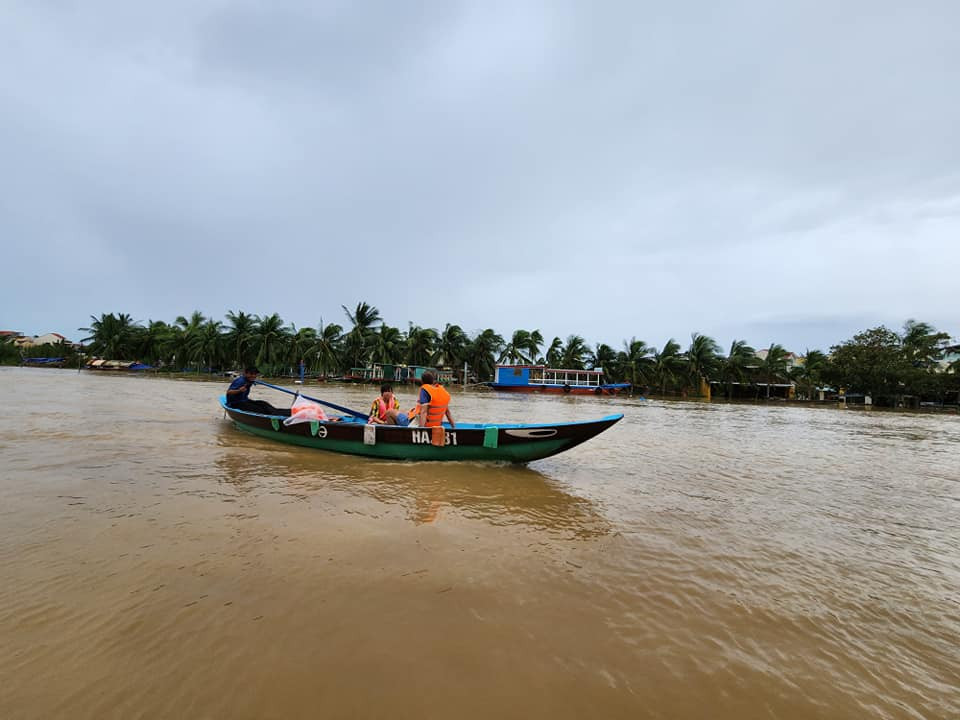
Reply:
x=49, y=339
x=381, y=372
x=46, y=339
x=753, y=390
x=10, y=335
x=951, y=354
x=793, y=360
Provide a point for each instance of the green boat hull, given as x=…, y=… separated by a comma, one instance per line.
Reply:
x=516, y=443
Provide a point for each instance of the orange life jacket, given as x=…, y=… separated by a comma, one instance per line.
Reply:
x=382, y=407
x=439, y=401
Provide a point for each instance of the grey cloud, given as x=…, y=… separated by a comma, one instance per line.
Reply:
x=610, y=170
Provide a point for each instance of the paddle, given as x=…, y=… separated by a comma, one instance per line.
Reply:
x=342, y=409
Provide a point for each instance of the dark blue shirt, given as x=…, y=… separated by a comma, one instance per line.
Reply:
x=240, y=382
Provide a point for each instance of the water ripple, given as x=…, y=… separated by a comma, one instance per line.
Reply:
x=730, y=561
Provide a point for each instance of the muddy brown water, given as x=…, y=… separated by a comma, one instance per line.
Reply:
x=695, y=561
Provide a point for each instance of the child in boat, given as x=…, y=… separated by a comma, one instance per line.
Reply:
x=385, y=410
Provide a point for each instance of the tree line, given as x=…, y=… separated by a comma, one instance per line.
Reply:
x=880, y=362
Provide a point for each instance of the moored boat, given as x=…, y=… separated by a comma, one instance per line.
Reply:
x=117, y=365
x=350, y=434
x=58, y=362
x=540, y=378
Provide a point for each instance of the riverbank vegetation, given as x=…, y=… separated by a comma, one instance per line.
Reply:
x=916, y=363
x=12, y=354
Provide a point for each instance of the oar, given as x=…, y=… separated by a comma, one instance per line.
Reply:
x=342, y=409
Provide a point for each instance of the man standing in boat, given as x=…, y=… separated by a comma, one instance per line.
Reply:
x=433, y=403
x=238, y=395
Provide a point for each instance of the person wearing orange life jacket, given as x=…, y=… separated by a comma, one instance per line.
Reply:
x=433, y=403
x=386, y=409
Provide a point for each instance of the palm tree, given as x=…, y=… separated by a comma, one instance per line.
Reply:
x=589, y=359
x=810, y=372
x=184, y=336
x=150, y=341
x=363, y=317
x=299, y=344
x=637, y=360
x=420, y=344
x=516, y=350
x=112, y=335
x=922, y=344
x=327, y=347
x=702, y=358
x=611, y=362
x=605, y=358
x=572, y=355
x=482, y=352
x=388, y=345
x=667, y=364
x=239, y=338
x=358, y=339
x=733, y=367
x=270, y=341
x=175, y=347
x=774, y=365
x=451, y=346
x=554, y=353
x=191, y=325
x=534, y=341
x=206, y=344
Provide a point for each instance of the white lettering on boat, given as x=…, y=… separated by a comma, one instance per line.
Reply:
x=422, y=437
x=321, y=432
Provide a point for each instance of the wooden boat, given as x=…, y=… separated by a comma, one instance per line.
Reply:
x=117, y=365
x=541, y=379
x=350, y=434
x=44, y=362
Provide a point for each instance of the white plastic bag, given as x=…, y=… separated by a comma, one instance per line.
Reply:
x=304, y=410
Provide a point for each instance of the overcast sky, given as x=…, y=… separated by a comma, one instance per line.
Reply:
x=758, y=170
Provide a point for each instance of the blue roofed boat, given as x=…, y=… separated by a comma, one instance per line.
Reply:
x=44, y=362
x=541, y=379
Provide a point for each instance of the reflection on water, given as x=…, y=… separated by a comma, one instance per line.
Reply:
x=498, y=494
x=696, y=560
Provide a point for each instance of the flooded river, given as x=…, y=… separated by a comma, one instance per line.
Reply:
x=695, y=561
